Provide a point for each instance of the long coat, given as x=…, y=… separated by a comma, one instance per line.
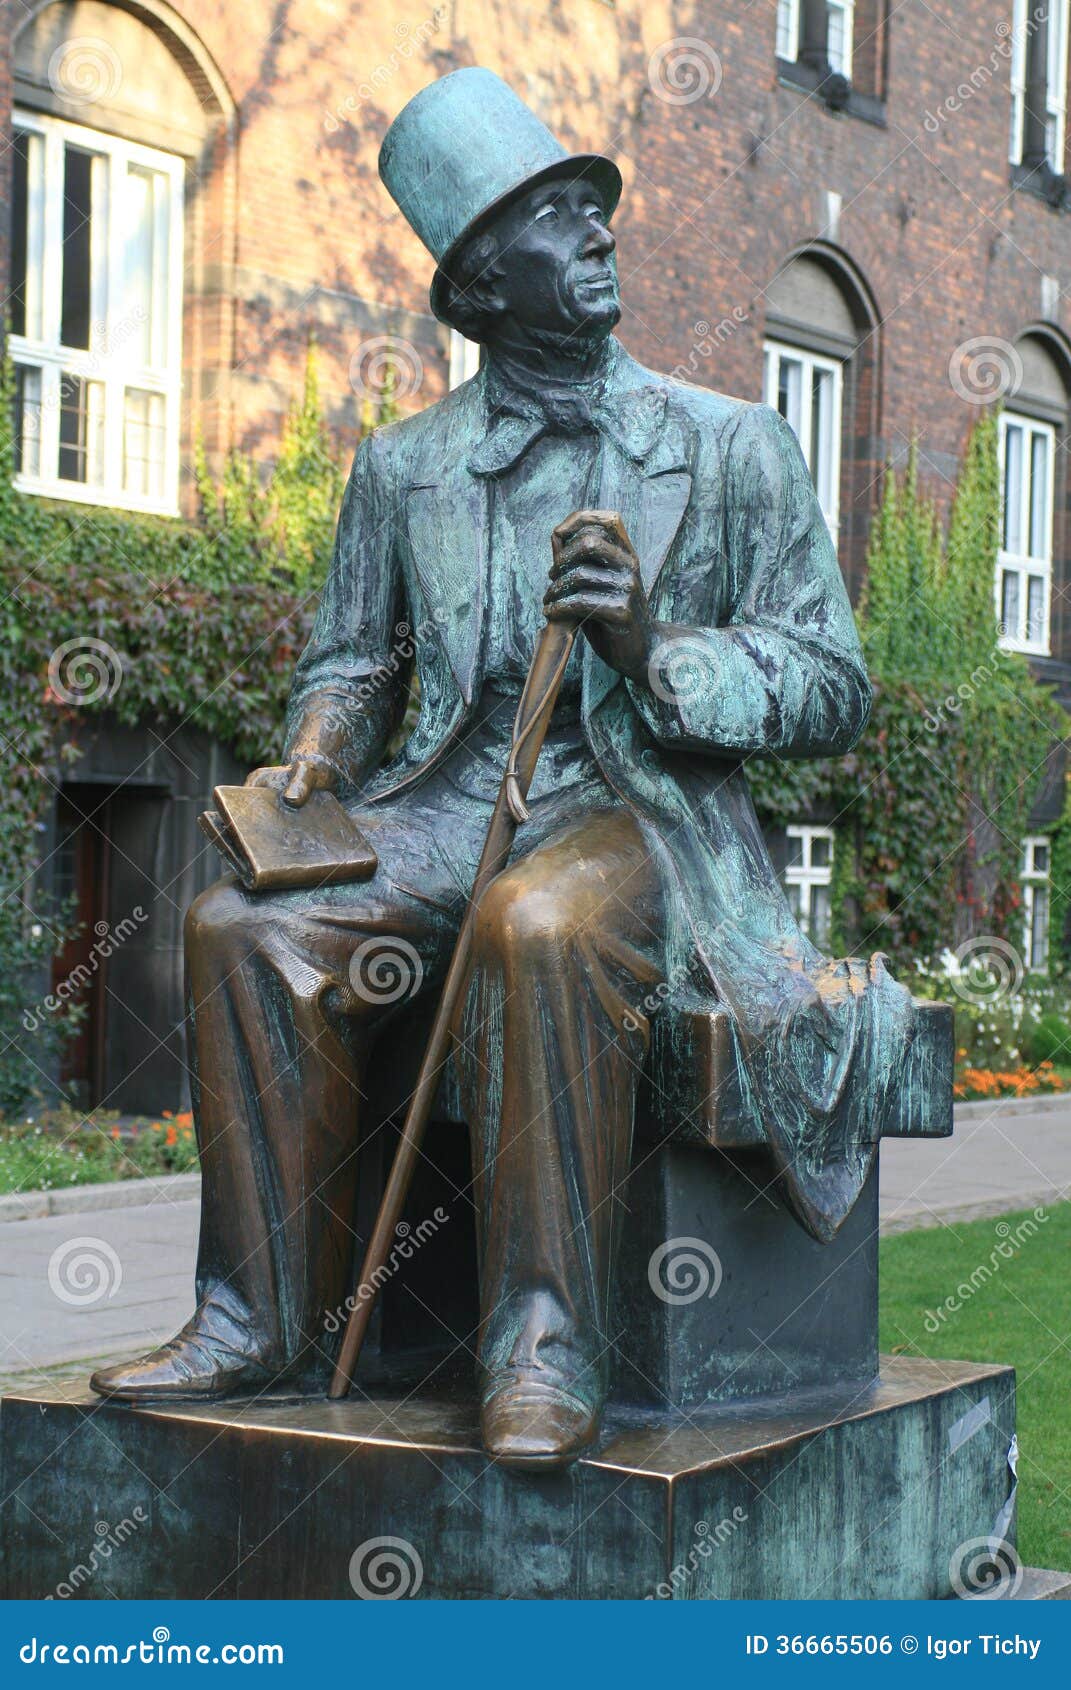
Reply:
x=733, y=548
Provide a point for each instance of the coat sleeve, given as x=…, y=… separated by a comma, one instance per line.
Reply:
x=349, y=684
x=785, y=672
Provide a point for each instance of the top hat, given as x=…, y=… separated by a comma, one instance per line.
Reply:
x=463, y=148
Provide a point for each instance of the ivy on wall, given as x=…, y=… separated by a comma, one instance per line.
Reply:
x=931, y=807
x=148, y=620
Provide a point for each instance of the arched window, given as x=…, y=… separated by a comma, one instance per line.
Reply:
x=116, y=119
x=1031, y=425
x=819, y=373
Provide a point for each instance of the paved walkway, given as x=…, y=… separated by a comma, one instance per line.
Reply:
x=112, y=1282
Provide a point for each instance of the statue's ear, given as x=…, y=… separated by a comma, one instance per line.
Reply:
x=473, y=309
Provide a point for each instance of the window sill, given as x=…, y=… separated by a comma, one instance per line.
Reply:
x=104, y=498
x=1024, y=648
x=806, y=79
x=1043, y=182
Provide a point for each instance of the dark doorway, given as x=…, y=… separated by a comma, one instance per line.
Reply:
x=82, y=870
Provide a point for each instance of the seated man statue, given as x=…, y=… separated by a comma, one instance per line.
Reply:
x=692, y=553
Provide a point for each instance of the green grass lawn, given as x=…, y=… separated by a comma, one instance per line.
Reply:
x=1021, y=1315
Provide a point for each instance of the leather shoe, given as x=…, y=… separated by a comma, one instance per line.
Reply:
x=184, y=1370
x=534, y=1427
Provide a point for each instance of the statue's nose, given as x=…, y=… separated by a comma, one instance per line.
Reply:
x=599, y=242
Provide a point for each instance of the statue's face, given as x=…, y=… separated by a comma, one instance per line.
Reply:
x=555, y=267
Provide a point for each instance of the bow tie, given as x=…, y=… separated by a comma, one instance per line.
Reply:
x=517, y=419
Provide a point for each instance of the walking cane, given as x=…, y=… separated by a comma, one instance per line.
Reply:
x=548, y=665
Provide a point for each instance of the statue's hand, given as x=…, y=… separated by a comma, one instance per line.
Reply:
x=595, y=581
x=297, y=781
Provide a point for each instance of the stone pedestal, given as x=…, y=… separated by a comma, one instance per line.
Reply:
x=865, y=1492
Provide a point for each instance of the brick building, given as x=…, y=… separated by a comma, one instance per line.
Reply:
x=855, y=210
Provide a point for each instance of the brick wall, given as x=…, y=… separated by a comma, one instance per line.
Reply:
x=720, y=190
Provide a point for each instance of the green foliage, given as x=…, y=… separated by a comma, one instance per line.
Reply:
x=205, y=621
x=932, y=805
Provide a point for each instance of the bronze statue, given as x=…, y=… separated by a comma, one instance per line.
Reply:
x=692, y=555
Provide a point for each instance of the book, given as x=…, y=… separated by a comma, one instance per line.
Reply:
x=272, y=846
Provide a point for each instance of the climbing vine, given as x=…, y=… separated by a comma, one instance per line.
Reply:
x=147, y=619
x=932, y=805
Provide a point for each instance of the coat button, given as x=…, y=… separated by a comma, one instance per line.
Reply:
x=651, y=760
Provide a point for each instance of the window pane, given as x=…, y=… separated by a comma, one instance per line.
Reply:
x=1039, y=859
x=794, y=857
x=76, y=299
x=143, y=443
x=27, y=420
x=144, y=302
x=790, y=392
x=1035, y=609
x=786, y=34
x=1039, y=928
x=81, y=431
x=794, y=895
x=821, y=915
x=1039, y=496
x=821, y=857
x=1009, y=606
x=822, y=451
x=20, y=197
x=836, y=39
x=1013, y=487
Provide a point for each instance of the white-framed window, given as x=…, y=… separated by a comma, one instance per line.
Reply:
x=1053, y=116
x=1037, y=858
x=1024, y=563
x=809, y=879
x=806, y=390
x=464, y=358
x=839, y=31
x=96, y=316
x=788, y=29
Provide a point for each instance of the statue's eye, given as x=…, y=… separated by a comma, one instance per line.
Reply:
x=595, y=211
x=546, y=211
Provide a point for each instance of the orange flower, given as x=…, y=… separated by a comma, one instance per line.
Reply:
x=172, y=1136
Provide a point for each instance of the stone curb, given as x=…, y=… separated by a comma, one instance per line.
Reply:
x=990, y=1208
x=981, y=1108
x=116, y=1194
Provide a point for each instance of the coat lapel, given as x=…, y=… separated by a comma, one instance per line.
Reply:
x=650, y=485
x=447, y=525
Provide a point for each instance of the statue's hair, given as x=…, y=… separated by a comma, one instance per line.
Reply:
x=475, y=258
